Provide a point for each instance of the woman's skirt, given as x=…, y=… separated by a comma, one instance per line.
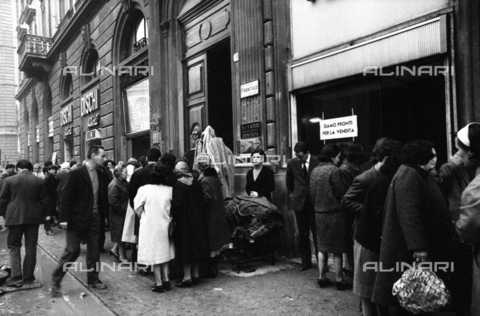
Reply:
x=331, y=232
x=364, y=273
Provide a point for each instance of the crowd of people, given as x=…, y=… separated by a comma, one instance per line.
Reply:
x=394, y=208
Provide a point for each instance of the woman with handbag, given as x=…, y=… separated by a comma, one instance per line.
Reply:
x=190, y=217
x=152, y=205
x=468, y=224
x=118, y=199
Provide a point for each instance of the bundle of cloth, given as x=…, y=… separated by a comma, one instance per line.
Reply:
x=257, y=214
x=221, y=157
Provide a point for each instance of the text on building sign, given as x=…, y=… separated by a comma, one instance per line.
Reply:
x=251, y=130
x=89, y=102
x=66, y=115
x=249, y=89
x=340, y=127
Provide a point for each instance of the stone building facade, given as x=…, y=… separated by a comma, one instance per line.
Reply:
x=8, y=85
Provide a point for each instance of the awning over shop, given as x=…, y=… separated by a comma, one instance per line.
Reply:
x=417, y=41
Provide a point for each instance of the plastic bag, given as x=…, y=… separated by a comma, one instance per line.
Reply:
x=421, y=291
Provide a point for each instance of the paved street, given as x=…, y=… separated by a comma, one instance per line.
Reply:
x=269, y=290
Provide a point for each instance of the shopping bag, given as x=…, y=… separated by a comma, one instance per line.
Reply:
x=129, y=226
x=421, y=291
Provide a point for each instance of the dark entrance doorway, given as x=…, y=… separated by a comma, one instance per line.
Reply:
x=140, y=146
x=208, y=97
x=219, y=80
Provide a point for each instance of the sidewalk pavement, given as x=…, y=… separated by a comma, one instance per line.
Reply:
x=270, y=290
x=77, y=300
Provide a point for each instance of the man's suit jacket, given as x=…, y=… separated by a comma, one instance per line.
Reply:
x=297, y=183
x=76, y=199
x=23, y=200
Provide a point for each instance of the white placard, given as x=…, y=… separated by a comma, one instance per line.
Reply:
x=249, y=89
x=340, y=127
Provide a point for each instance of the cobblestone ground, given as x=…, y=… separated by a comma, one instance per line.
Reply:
x=270, y=290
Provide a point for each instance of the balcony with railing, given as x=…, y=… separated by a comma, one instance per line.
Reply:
x=32, y=54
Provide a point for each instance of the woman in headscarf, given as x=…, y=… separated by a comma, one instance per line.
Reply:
x=190, y=217
x=118, y=199
x=468, y=224
x=218, y=232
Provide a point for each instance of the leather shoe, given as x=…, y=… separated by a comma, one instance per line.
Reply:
x=195, y=280
x=185, y=283
x=305, y=267
x=324, y=283
x=157, y=288
x=99, y=286
x=14, y=283
x=55, y=290
x=342, y=285
x=166, y=285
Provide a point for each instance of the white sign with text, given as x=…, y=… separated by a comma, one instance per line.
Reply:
x=340, y=127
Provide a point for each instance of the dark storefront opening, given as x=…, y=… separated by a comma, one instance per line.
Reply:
x=219, y=83
x=401, y=107
x=140, y=146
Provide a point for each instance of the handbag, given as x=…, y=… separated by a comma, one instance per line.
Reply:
x=128, y=234
x=421, y=291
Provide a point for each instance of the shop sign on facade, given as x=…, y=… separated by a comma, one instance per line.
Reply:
x=340, y=127
x=50, y=126
x=68, y=131
x=66, y=115
x=251, y=130
x=93, y=134
x=93, y=120
x=89, y=102
x=249, y=89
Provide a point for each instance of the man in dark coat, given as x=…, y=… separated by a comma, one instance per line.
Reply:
x=22, y=204
x=83, y=202
x=298, y=179
x=417, y=225
x=139, y=178
x=9, y=171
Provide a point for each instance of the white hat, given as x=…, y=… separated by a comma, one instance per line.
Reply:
x=65, y=165
x=462, y=135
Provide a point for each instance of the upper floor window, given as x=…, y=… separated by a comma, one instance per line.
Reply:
x=67, y=87
x=91, y=66
x=135, y=34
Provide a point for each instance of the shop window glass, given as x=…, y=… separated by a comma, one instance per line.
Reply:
x=136, y=35
x=137, y=108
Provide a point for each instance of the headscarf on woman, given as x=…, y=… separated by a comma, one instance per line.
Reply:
x=183, y=173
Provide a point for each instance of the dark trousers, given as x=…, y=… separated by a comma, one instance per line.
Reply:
x=305, y=222
x=91, y=234
x=14, y=243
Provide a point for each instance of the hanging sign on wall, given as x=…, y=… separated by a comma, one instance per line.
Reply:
x=340, y=127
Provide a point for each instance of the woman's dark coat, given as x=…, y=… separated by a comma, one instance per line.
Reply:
x=50, y=185
x=416, y=219
x=118, y=199
x=190, y=217
x=218, y=232
x=264, y=185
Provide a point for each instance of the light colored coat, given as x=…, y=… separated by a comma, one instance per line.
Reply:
x=468, y=226
x=152, y=204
